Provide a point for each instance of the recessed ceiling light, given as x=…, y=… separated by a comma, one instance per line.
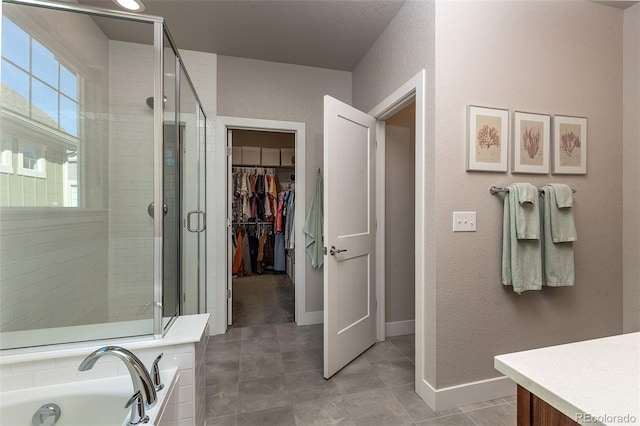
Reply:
x=132, y=5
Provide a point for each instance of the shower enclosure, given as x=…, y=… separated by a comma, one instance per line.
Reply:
x=102, y=149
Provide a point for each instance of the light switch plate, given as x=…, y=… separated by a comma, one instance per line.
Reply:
x=464, y=221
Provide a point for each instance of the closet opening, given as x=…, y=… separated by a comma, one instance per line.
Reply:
x=400, y=226
x=262, y=246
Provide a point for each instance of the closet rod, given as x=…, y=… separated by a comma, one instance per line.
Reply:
x=493, y=190
x=252, y=223
x=248, y=166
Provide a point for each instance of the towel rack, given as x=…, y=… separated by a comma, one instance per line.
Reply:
x=493, y=190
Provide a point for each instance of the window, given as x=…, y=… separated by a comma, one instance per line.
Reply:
x=31, y=162
x=35, y=84
x=40, y=110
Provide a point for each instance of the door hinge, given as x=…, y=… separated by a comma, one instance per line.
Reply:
x=228, y=223
x=229, y=151
x=325, y=250
x=228, y=293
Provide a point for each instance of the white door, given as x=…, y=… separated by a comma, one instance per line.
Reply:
x=229, y=229
x=349, y=234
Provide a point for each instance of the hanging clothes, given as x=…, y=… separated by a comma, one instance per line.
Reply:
x=254, y=194
x=237, y=260
x=280, y=210
x=253, y=250
x=279, y=259
x=246, y=256
x=289, y=232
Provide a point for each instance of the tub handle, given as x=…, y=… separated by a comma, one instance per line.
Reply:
x=155, y=373
x=137, y=410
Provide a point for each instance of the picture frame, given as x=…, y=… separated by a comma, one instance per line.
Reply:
x=569, y=145
x=531, y=148
x=487, y=139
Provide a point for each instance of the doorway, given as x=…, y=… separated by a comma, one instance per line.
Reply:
x=262, y=193
x=412, y=92
x=224, y=287
x=399, y=182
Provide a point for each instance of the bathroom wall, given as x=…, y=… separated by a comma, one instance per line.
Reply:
x=631, y=170
x=57, y=257
x=529, y=40
x=275, y=91
x=130, y=181
x=550, y=57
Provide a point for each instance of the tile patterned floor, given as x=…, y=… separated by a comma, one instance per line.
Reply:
x=272, y=375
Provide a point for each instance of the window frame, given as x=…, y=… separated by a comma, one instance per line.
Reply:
x=60, y=94
x=40, y=169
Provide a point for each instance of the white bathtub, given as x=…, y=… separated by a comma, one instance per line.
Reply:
x=97, y=402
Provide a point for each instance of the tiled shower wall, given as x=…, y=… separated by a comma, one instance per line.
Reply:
x=54, y=273
x=130, y=181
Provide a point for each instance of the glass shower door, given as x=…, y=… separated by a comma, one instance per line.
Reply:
x=172, y=133
x=192, y=120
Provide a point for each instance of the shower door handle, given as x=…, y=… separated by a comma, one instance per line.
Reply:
x=204, y=218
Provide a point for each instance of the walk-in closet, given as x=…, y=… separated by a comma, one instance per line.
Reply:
x=262, y=194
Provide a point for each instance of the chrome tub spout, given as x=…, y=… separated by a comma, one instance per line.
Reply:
x=139, y=375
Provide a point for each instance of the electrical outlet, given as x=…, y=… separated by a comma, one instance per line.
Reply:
x=464, y=221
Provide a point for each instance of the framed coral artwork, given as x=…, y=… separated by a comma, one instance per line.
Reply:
x=531, y=143
x=569, y=145
x=487, y=139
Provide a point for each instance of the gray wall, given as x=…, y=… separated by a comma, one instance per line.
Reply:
x=275, y=91
x=515, y=55
x=631, y=170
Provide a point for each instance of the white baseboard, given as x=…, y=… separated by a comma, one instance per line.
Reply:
x=400, y=328
x=309, y=318
x=465, y=394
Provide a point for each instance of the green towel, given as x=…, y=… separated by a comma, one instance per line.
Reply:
x=563, y=227
x=558, y=259
x=526, y=212
x=521, y=258
x=564, y=195
x=313, y=227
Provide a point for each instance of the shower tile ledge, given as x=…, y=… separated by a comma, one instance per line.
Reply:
x=185, y=329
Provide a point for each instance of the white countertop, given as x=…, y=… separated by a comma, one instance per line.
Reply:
x=593, y=382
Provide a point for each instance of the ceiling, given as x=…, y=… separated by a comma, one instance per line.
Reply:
x=331, y=34
x=620, y=4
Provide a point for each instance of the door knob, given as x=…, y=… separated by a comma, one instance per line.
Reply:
x=334, y=250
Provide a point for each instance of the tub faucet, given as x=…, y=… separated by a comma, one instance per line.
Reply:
x=139, y=375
